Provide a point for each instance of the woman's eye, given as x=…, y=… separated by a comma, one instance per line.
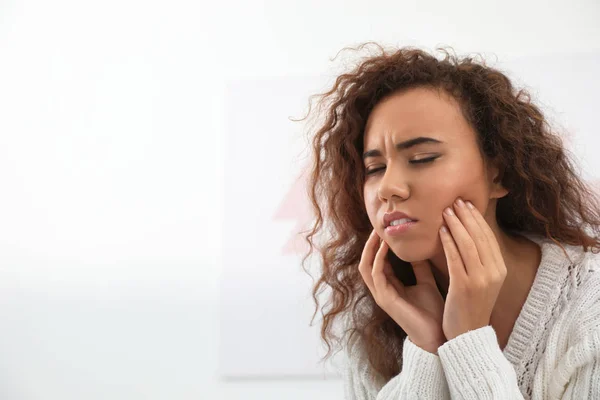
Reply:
x=423, y=160
x=372, y=171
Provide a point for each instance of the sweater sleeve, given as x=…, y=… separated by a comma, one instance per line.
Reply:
x=421, y=378
x=476, y=368
x=577, y=375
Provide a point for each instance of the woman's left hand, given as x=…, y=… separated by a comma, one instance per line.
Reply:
x=475, y=267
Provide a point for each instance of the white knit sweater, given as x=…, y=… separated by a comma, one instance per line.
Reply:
x=553, y=351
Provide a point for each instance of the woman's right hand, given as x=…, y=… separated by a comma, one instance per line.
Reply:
x=418, y=309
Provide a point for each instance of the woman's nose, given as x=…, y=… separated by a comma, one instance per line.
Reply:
x=392, y=185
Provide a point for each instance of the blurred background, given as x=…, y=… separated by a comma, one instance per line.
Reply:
x=152, y=180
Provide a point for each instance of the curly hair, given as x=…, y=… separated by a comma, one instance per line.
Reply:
x=546, y=195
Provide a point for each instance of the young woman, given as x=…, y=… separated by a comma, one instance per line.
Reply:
x=459, y=244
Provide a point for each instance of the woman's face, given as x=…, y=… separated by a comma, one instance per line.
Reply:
x=395, y=182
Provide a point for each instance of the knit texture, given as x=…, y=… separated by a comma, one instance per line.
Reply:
x=553, y=351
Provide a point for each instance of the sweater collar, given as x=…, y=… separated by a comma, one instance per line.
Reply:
x=543, y=296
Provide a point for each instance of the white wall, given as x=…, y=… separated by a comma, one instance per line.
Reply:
x=111, y=164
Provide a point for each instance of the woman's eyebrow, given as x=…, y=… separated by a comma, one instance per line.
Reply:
x=403, y=145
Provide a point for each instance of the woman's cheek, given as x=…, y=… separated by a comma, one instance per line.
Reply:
x=371, y=206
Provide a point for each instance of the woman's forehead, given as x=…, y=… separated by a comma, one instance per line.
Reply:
x=417, y=112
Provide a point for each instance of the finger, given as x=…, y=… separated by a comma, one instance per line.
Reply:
x=391, y=277
x=423, y=272
x=382, y=286
x=456, y=268
x=487, y=231
x=366, y=261
x=385, y=290
x=476, y=233
x=463, y=242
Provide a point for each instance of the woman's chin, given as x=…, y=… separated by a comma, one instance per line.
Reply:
x=412, y=259
x=410, y=256
x=413, y=253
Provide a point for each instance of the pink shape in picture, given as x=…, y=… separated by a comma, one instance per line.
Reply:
x=296, y=206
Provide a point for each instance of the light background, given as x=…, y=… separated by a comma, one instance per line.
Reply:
x=113, y=151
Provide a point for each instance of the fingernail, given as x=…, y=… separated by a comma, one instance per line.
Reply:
x=470, y=205
x=449, y=211
x=459, y=202
x=444, y=229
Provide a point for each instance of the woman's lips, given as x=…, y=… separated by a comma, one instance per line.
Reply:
x=395, y=230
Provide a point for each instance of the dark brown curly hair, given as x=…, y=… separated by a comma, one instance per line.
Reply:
x=546, y=195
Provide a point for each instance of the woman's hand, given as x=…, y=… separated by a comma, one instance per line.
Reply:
x=476, y=269
x=417, y=309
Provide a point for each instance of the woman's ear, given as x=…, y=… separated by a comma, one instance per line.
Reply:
x=496, y=173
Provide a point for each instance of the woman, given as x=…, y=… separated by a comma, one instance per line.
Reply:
x=459, y=244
